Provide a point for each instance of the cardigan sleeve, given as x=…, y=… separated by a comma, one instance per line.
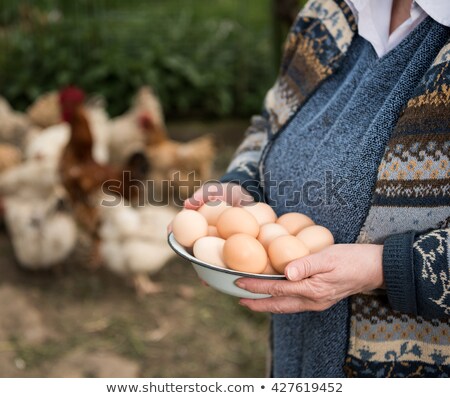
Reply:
x=417, y=272
x=244, y=167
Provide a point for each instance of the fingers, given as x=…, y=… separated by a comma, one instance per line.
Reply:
x=207, y=192
x=231, y=193
x=277, y=288
x=195, y=201
x=236, y=195
x=308, y=266
x=282, y=305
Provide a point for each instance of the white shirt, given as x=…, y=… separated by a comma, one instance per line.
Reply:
x=374, y=17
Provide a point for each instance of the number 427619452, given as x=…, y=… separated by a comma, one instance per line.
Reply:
x=307, y=387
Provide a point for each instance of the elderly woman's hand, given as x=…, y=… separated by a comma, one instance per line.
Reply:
x=318, y=281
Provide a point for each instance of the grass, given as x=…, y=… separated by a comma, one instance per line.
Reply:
x=204, y=58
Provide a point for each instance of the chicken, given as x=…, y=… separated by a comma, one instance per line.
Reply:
x=185, y=165
x=51, y=141
x=13, y=125
x=42, y=231
x=82, y=176
x=128, y=133
x=32, y=179
x=47, y=143
x=133, y=242
x=45, y=111
x=10, y=156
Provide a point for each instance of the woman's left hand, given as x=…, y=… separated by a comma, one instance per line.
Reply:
x=318, y=281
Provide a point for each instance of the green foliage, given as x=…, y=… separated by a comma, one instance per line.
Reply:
x=204, y=58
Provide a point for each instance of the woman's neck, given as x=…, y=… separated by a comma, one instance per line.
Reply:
x=401, y=11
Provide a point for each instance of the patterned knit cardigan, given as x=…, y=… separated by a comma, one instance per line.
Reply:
x=405, y=329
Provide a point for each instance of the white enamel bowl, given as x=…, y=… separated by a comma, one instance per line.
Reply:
x=221, y=279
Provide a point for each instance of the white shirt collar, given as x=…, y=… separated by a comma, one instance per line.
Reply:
x=439, y=10
x=373, y=19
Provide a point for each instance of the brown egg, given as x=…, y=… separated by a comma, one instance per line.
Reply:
x=294, y=222
x=244, y=253
x=212, y=210
x=188, y=226
x=212, y=231
x=285, y=249
x=210, y=250
x=269, y=270
x=316, y=238
x=263, y=213
x=237, y=221
x=268, y=232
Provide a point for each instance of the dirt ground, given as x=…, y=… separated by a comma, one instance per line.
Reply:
x=75, y=322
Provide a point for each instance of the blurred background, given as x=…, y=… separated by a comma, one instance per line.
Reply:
x=170, y=85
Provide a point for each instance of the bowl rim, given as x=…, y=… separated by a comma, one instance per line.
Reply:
x=177, y=248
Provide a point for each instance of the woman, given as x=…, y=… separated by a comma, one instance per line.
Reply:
x=355, y=133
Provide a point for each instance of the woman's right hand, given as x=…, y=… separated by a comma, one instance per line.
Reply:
x=231, y=193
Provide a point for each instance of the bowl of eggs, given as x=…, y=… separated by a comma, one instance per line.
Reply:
x=225, y=243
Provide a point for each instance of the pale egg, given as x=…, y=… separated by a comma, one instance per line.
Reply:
x=237, y=221
x=212, y=210
x=244, y=253
x=263, y=213
x=268, y=232
x=294, y=222
x=212, y=231
x=210, y=250
x=188, y=226
x=285, y=249
x=316, y=238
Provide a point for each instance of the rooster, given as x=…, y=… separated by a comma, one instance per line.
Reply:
x=82, y=176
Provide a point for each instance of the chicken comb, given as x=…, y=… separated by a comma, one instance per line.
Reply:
x=70, y=98
x=71, y=95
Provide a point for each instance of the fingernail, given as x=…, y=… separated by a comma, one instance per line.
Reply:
x=292, y=273
x=240, y=284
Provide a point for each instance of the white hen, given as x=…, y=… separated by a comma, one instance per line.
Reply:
x=34, y=178
x=133, y=242
x=43, y=234
x=127, y=135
